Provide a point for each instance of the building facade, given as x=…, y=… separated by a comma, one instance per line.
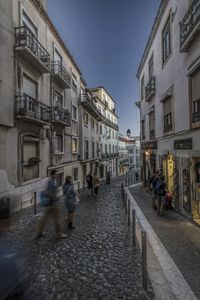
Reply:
x=41, y=112
x=123, y=161
x=169, y=76
x=133, y=150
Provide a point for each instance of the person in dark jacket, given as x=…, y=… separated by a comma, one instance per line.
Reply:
x=154, y=181
x=52, y=210
x=89, y=180
x=70, y=200
x=161, y=191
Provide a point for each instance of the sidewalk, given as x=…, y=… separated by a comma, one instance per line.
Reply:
x=180, y=237
x=96, y=261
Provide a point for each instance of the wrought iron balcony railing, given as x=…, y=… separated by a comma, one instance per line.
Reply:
x=61, y=73
x=150, y=88
x=61, y=115
x=25, y=39
x=152, y=134
x=27, y=107
x=89, y=104
x=189, y=25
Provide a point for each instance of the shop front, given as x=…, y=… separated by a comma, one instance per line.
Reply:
x=148, y=161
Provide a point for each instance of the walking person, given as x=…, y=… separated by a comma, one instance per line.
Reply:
x=136, y=177
x=108, y=177
x=51, y=209
x=70, y=200
x=96, y=183
x=154, y=180
x=161, y=191
x=89, y=180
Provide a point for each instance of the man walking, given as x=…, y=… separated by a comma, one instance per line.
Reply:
x=108, y=177
x=89, y=180
x=52, y=209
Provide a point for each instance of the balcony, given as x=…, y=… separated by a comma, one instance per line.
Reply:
x=28, y=108
x=60, y=74
x=31, y=49
x=89, y=104
x=150, y=88
x=61, y=116
x=189, y=25
x=152, y=134
x=110, y=123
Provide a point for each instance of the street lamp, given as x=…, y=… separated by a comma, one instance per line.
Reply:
x=128, y=133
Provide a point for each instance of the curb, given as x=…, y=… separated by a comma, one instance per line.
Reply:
x=166, y=278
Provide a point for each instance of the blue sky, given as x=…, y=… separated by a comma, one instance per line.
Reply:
x=107, y=39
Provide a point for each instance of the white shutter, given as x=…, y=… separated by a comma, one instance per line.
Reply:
x=29, y=150
x=28, y=22
x=167, y=106
x=29, y=87
x=196, y=85
x=57, y=56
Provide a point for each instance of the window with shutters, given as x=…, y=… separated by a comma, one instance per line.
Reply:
x=152, y=125
x=92, y=124
x=75, y=174
x=58, y=100
x=30, y=87
x=74, y=145
x=86, y=149
x=195, y=95
x=74, y=113
x=93, y=149
x=166, y=41
x=151, y=67
x=143, y=129
x=86, y=120
x=167, y=114
x=142, y=88
x=30, y=158
x=26, y=20
x=58, y=143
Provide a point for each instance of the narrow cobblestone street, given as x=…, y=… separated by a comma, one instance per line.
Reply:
x=96, y=261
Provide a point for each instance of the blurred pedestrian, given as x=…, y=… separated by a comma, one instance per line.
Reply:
x=96, y=183
x=89, y=180
x=154, y=182
x=161, y=191
x=108, y=177
x=70, y=200
x=51, y=209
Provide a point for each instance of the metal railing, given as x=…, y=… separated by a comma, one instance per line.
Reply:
x=189, y=22
x=59, y=69
x=61, y=115
x=90, y=105
x=24, y=37
x=26, y=106
x=150, y=88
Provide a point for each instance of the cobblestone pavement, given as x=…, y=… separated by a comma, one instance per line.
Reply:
x=179, y=236
x=96, y=261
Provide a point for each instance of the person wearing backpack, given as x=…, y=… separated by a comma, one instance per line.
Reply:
x=70, y=200
x=51, y=209
x=161, y=191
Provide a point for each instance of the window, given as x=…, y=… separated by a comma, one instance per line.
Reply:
x=131, y=151
x=75, y=174
x=92, y=124
x=74, y=128
x=97, y=147
x=29, y=23
x=74, y=82
x=106, y=150
x=143, y=129
x=109, y=149
x=60, y=179
x=113, y=134
x=109, y=134
x=30, y=87
x=30, y=163
x=113, y=150
x=151, y=68
x=100, y=129
x=97, y=128
x=57, y=56
x=86, y=119
x=195, y=95
x=58, y=143
x=86, y=149
x=152, y=125
x=101, y=148
x=58, y=100
x=167, y=113
x=93, y=150
x=74, y=113
x=74, y=145
x=142, y=88
x=166, y=41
